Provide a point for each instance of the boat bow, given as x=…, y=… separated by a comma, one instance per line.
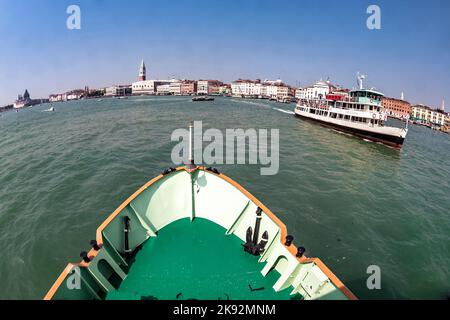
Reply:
x=197, y=193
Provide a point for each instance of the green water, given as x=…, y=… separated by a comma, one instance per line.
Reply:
x=351, y=203
x=195, y=260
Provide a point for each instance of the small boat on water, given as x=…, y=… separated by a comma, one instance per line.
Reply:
x=194, y=233
x=358, y=113
x=284, y=100
x=202, y=98
x=51, y=109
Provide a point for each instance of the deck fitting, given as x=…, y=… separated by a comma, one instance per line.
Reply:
x=289, y=240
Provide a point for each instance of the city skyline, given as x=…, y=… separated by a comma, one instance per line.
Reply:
x=297, y=42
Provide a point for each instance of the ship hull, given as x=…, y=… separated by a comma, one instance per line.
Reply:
x=190, y=223
x=386, y=139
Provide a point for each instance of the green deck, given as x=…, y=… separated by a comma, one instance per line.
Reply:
x=196, y=260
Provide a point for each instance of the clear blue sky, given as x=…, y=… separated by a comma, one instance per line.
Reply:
x=298, y=41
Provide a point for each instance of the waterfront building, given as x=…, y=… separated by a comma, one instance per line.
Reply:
x=263, y=91
x=273, y=89
x=163, y=89
x=425, y=115
x=118, y=90
x=299, y=93
x=316, y=91
x=277, y=91
x=225, y=89
x=446, y=127
x=55, y=97
x=6, y=108
x=75, y=94
x=26, y=101
x=208, y=87
x=175, y=88
x=149, y=86
x=188, y=87
x=257, y=89
x=396, y=108
x=246, y=88
x=23, y=100
x=95, y=93
x=292, y=92
x=143, y=87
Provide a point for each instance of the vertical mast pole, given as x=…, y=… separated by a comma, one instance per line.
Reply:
x=191, y=143
x=191, y=163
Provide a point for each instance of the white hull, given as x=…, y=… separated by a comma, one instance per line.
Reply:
x=391, y=136
x=397, y=132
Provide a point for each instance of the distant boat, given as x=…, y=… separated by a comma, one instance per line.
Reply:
x=51, y=109
x=202, y=98
x=100, y=100
x=284, y=100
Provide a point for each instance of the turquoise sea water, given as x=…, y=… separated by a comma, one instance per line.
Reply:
x=350, y=202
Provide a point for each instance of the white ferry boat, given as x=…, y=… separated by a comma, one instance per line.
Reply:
x=358, y=113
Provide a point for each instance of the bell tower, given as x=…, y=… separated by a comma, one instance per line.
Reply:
x=142, y=71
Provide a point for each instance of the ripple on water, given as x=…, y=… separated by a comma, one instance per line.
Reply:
x=350, y=202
